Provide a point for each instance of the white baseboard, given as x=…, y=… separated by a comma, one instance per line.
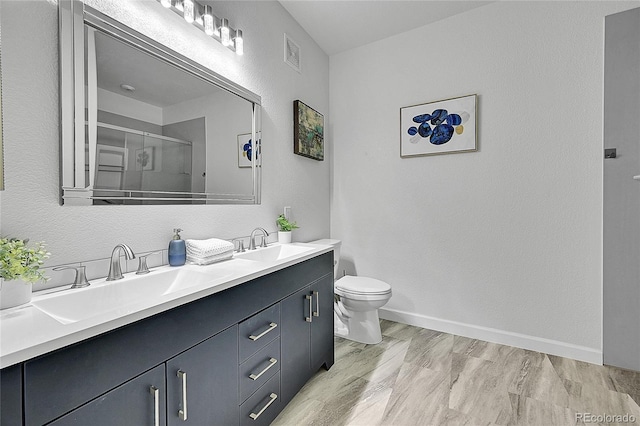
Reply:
x=552, y=347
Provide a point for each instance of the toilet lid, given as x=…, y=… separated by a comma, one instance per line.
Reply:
x=362, y=285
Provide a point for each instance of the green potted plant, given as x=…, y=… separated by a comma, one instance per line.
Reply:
x=284, y=229
x=19, y=269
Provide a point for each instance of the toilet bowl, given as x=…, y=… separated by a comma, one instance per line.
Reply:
x=357, y=300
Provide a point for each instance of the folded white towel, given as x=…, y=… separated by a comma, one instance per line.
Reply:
x=208, y=260
x=210, y=247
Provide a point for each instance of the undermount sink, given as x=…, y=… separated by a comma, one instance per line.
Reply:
x=274, y=253
x=74, y=305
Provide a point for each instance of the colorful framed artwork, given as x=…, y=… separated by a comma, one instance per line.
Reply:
x=308, y=131
x=245, y=150
x=440, y=127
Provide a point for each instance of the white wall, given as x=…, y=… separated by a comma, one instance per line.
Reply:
x=503, y=244
x=226, y=116
x=30, y=205
x=129, y=107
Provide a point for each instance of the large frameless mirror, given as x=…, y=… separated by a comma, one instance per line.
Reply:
x=142, y=124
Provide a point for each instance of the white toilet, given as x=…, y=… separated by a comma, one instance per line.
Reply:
x=357, y=302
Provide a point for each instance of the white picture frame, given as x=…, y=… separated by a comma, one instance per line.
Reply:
x=243, y=159
x=440, y=127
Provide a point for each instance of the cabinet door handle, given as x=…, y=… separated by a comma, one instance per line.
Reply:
x=272, y=362
x=271, y=327
x=183, y=412
x=316, y=313
x=155, y=392
x=272, y=398
x=310, y=317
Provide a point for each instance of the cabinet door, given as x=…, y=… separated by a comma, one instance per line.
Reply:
x=139, y=402
x=202, y=383
x=11, y=395
x=295, y=340
x=322, y=324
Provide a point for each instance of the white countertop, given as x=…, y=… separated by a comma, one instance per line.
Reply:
x=27, y=332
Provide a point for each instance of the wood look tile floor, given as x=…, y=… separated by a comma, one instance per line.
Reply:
x=423, y=377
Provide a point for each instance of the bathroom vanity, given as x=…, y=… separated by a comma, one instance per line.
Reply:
x=231, y=354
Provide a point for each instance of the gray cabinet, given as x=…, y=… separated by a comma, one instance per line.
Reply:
x=307, y=335
x=129, y=376
x=296, y=343
x=140, y=401
x=201, y=388
x=322, y=324
x=202, y=383
x=11, y=395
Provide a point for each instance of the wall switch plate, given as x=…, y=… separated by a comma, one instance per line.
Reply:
x=287, y=212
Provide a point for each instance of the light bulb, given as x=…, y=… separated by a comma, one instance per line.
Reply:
x=224, y=33
x=239, y=43
x=207, y=21
x=166, y=3
x=189, y=10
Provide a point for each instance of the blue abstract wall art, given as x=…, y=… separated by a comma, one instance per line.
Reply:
x=246, y=150
x=439, y=127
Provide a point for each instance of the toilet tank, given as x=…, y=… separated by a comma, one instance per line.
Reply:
x=336, y=252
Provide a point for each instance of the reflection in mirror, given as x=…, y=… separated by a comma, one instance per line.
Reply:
x=158, y=128
x=1, y=146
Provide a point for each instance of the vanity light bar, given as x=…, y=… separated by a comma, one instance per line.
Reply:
x=202, y=17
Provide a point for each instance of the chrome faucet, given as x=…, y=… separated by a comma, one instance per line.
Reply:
x=81, y=276
x=115, y=271
x=252, y=239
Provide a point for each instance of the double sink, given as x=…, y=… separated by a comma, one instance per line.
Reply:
x=122, y=296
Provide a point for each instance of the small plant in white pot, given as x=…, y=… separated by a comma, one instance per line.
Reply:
x=284, y=229
x=19, y=269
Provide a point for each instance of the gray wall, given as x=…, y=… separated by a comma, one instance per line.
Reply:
x=621, y=193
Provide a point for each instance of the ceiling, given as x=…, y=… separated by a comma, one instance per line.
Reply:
x=339, y=25
x=119, y=63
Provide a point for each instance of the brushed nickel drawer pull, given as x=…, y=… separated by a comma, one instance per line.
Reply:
x=310, y=317
x=155, y=392
x=272, y=398
x=316, y=313
x=183, y=412
x=271, y=327
x=272, y=362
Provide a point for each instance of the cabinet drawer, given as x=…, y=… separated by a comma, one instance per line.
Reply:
x=263, y=406
x=255, y=371
x=258, y=331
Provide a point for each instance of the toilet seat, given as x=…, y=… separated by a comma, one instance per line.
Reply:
x=362, y=288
